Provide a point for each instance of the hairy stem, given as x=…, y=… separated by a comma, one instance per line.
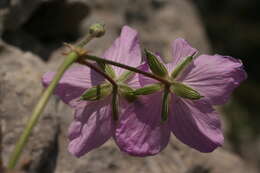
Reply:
x=98, y=59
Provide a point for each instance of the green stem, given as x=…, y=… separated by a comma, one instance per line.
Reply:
x=99, y=71
x=85, y=41
x=38, y=109
x=98, y=59
x=72, y=57
x=115, y=103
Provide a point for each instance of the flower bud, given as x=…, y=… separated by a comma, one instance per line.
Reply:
x=185, y=91
x=155, y=65
x=149, y=89
x=97, y=30
x=96, y=93
x=181, y=66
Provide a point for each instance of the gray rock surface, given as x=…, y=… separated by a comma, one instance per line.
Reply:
x=159, y=22
x=20, y=88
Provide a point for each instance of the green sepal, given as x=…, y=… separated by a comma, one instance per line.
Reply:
x=107, y=69
x=155, y=65
x=181, y=66
x=185, y=91
x=115, y=103
x=97, y=92
x=126, y=76
x=127, y=92
x=165, y=105
x=148, y=89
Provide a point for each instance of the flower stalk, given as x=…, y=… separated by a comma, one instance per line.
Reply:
x=38, y=109
x=105, y=75
x=136, y=70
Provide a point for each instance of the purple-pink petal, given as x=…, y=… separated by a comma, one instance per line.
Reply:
x=196, y=124
x=92, y=127
x=144, y=80
x=125, y=50
x=214, y=77
x=74, y=82
x=180, y=50
x=140, y=131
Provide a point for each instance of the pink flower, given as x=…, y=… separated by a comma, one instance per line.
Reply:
x=93, y=124
x=194, y=122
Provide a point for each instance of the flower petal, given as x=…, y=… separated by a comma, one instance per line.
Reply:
x=92, y=127
x=144, y=80
x=125, y=49
x=180, y=50
x=140, y=131
x=196, y=124
x=74, y=82
x=134, y=81
x=214, y=77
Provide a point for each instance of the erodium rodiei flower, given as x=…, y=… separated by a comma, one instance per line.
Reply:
x=93, y=122
x=198, y=84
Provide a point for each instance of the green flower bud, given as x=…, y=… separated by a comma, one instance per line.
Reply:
x=149, y=89
x=185, y=91
x=181, y=66
x=127, y=92
x=97, y=92
x=107, y=69
x=155, y=65
x=97, y=30
x=165, y=105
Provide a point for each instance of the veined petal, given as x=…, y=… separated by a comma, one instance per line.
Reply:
x=92, y=127
x=214, y=77
x=180, y=50
x=74, y=82
x=144, y=80
x=196, y=124
x=140, y=131
x=125, y=49
x=133, y=82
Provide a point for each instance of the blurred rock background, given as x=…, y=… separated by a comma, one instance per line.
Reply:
x=233, y=28
x=32, y=33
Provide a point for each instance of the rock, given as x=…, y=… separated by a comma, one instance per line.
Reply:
x=20, y=88
x=159, y=22
x=42, y=25
x=175, y=158
x=18, y=12
x=158, y=25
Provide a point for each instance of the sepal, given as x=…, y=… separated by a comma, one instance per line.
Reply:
x=148, y=89
x=107, y=69
x=126, y=76
x=185, y=91
x=127, y=92
x=96, y=93
x=155, y=65
x=181, y=66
